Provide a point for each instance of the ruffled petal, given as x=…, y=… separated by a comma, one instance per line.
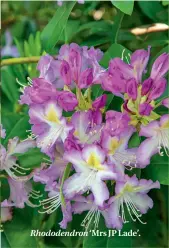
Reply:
x=142, y=201
x=160, y=66
x=93, y=154
x=147, y=149
x=139, y=60
x=100, y=192
x=75, y=185
x=149, y=130
x=76, y=159
x=116, y=221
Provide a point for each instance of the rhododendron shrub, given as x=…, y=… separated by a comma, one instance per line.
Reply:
x=81, y=152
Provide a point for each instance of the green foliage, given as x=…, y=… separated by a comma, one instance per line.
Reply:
x=154, y=10
x=52, y=32
x=158, y=169
x=32, y=158
x=115, y=50
x=9, y=85
x=125, y=6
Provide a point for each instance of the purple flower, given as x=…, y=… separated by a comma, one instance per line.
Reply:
x=39, y=92
x=49, y=70
x=67, y=100
x=116, y=123
x=86, y=78
x=65, y=72
x=157, y=133
x=20, y=193
x=55, y=170
x=134, y=70
x=132, y=193
x=131, y=89
x=100, y=102
x=145, y=109
x=118, y=153
x=91, y=170
x=54, y=201
x=49, y=126
x=146, y=86
x=79, y=65
x=9, y=49
x=113, y=83
x=8, y=159
x=160, y=67
x=157, y=89
x=165, y=102
x=86, y=130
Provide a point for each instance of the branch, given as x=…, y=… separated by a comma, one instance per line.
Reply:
x=156, y=27
x=22, y=60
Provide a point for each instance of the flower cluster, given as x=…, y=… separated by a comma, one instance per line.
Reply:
x=91, y=163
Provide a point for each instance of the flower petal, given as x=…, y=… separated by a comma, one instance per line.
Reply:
x=74, y=185
x=160, y=66
x=76, y=159
x=147, y=149
x=139, y=60
x=100, y=192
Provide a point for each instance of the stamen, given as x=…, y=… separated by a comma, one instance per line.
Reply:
x=54, y=202
x=127, y=60
x=163, y=141
x=130, y=204
x=93, y=212
x=23, y=85
x=19, y=172
x=122, y=56
x=30, y=82
x=128, y=160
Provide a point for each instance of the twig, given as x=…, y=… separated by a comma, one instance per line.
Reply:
x=156, y=27
x=22, y=60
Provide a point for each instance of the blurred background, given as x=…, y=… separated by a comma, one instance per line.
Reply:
x=90, y=24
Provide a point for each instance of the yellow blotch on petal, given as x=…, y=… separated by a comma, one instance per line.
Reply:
x=114, y=145
x=94, y=161
x=165, y=124
x=52, y=115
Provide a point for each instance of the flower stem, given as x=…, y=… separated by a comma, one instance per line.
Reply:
x=22, y=60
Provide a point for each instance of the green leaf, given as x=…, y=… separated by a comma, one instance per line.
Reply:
x=19, y=129
x=115, y=50
x=27, y=49
x=9, y=85
x=158, y=169
x=109, y=100
x=9, y=120
x=32, y=158
x=17, y=232
x=19, y=47
x=38, y=44
x=154, y=10
x=108, y=242
x=125, y=6
x=165, y=2
x=95, y=27
x=96, y=91
x=70, y=30
x=5, y=243
x=52, y=32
